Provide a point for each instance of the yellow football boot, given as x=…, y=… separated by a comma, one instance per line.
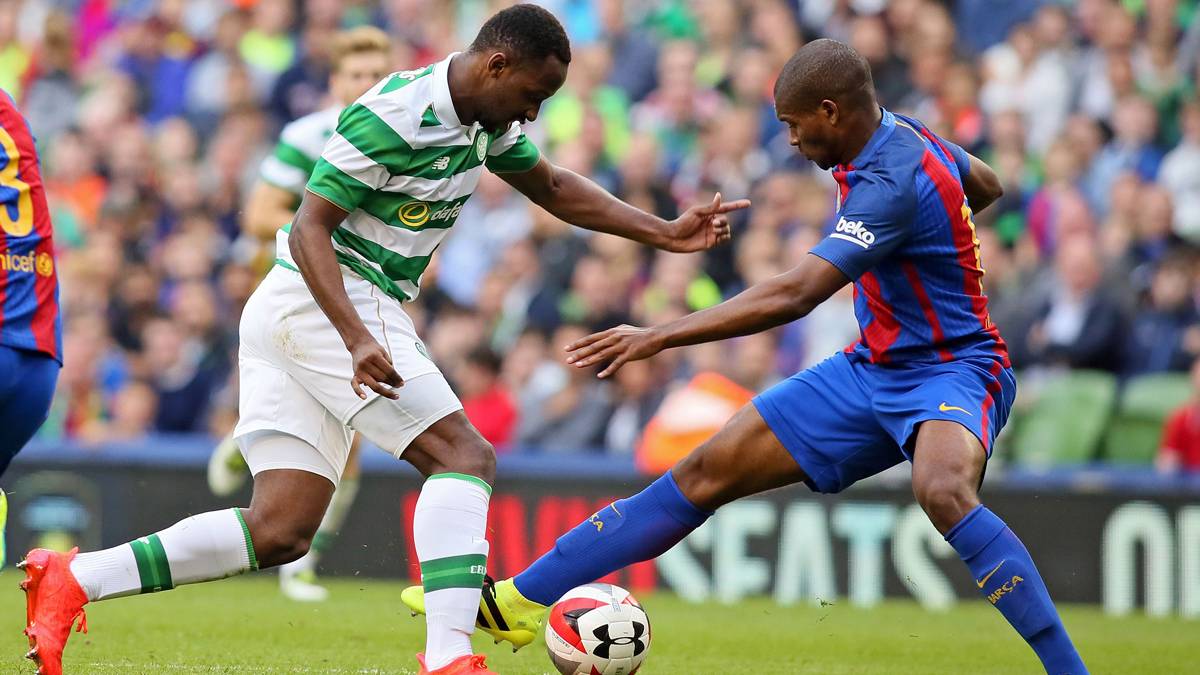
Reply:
x=504, y=613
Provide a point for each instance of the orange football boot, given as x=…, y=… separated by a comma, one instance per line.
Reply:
x=53, y=601
x=471, y=664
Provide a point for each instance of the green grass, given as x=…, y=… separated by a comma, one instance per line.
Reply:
x=245, y=626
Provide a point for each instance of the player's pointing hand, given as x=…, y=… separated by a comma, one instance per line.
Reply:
x=702, y=227
x=616, y=346
x=373, y=368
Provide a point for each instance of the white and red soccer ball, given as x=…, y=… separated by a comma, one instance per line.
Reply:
x=598, y=629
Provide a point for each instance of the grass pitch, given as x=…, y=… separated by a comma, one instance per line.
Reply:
x=244, y=626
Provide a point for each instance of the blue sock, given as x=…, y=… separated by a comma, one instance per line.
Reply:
x=627, y=531
x=1007, y=577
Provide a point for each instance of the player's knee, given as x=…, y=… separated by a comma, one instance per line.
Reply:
x=281, y=548
x=476, y=458
x=945, y=499
x=701, y=479
x=277, y=543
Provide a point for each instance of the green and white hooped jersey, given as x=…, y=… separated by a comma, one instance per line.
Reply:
x=299, y=148
x=402, y=164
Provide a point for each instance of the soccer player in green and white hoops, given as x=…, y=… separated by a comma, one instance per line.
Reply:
x=326, y=346
x=359, y=58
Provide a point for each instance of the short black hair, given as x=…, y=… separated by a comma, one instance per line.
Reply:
x=825, y=70
x=485, y=358
x=524, y=31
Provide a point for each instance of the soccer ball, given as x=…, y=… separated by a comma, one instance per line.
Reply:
x=598, y=629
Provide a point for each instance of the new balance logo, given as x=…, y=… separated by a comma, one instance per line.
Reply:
x=441, y=163
x=854, y=232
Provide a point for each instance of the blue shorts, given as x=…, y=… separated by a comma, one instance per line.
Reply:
x=845, y=419
x=27, y=380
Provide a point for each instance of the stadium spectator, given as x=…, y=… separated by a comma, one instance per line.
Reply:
x=1180, y=447
x=633, y=51
x=158, y=67
x=218, y=75
x=1078, y=324
x=134, y=409
x=636, y=396
x=1165, y=332
x=15, y=57
x=177, y=370
x=1180, y=174
x=869, y=37
x=1132, y=148
x=486, y=401
x=564, y=409
x=268, y=47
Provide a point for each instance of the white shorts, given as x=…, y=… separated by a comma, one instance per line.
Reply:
x=295, y=373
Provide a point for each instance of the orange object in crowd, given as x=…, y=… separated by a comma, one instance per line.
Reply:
x=688, y=417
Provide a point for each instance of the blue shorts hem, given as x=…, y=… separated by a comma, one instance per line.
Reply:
x=793, y=445
x=916, y=421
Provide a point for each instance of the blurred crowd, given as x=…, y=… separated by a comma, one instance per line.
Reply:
x=153, y=118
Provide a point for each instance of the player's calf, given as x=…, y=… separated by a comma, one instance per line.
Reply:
x=743, y=458
x=449, y=528
x=947, y=463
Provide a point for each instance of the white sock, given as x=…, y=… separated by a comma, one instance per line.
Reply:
x=448, y=528
x=204, y=547
x=331, y=524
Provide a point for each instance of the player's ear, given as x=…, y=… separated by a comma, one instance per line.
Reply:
x=496, y=64
x=830, y=110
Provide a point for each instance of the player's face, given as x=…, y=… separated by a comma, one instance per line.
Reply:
x=515, y=92
x=813, y=134
x=356, y=74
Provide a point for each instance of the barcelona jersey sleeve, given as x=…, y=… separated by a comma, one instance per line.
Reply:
x=959, y=156
x=873, y=221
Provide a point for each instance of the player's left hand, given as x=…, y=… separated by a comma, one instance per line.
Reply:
x=702, y=227
x=615, y=345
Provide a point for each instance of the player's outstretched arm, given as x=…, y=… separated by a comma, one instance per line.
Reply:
x=311, y=246
x=581, y=202
x=774, y=302
x=981, y=185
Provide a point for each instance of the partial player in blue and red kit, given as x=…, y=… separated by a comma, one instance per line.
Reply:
x=30, y=326
x=928, y=382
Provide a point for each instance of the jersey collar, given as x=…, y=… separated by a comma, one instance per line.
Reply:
x=887, y=124
x=443, y=105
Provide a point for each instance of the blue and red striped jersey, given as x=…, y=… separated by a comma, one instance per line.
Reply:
x=904, y=234
x=29, y=317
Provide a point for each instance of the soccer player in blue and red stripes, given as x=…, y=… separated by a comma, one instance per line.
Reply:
x=929, y=381
x=30, y=327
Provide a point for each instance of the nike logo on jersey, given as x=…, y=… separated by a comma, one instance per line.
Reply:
x=441, y=163
x=947, y=408
x=854, y=232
